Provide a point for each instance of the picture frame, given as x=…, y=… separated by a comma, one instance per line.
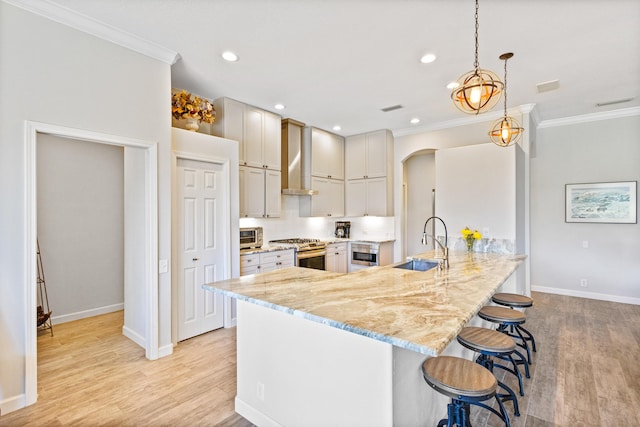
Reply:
x=602, y=202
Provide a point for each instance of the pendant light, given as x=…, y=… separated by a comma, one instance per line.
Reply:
x=507, y=130
x=478, y=90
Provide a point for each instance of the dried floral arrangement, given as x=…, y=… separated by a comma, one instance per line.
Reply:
x=184, y=106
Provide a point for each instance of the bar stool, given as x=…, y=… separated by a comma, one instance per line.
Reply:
x=490, y=343
x=507, y=319
x=516, y=301
x=466, y=383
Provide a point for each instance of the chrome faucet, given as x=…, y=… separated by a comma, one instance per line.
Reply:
x=444, y=259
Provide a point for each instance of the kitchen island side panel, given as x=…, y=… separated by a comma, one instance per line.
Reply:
x=296, y=372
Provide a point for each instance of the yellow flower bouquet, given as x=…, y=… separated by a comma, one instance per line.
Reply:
x=470, y=237
x=183, y=106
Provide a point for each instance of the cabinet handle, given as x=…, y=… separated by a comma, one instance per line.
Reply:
x=249, y=260
x=328, y=176
x=195, y=259
x=245, y=163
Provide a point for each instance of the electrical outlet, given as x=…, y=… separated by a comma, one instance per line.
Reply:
x=585, y=244
x=260, y=391
x=583, y=283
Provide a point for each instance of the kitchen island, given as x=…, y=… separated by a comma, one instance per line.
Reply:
x=318, y=348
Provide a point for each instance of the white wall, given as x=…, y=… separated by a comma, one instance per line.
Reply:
x=81, y=225
x=475, y=188
x=54, y=74
x=583, y=152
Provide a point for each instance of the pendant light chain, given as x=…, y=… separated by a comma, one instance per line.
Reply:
x=476, y=64
x=505, y=87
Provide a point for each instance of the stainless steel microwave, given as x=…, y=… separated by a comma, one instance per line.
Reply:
x=250, y=237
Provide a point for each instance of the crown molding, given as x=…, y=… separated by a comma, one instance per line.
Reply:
x=465, y=121
x=586, y=118
x=89, y=25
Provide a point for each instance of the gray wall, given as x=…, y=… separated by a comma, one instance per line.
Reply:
x=54, y=74
x=81, y=225
x=596, y=151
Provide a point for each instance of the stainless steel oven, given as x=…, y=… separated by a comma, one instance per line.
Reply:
x=312, y=258
x=365, y=254
x=310, y=253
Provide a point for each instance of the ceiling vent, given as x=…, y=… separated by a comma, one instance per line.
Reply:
x=548, y=86
x=391, y=108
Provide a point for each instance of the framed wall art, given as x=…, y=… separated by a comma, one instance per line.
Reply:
x=606, y=202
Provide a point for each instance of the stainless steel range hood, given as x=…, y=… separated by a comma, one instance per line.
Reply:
x=292, y=159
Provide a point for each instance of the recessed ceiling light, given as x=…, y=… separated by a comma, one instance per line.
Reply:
x=415, y=121
x=279, y=106
x=336, y=127
x=229, y=56
x=428, y=58
x=453, y=85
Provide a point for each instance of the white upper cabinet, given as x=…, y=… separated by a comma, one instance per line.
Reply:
x=369, y=155
x=369, y=172
x=229, y=122
x=257, y=132
x=322, y=171
x=327, y=153
x=259, y=193
x=329, y=202
x=368, y=197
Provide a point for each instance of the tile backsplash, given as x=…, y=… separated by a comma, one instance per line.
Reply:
x=290, y=224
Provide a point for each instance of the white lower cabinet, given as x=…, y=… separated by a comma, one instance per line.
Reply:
x=337, y=260
x=266, y=261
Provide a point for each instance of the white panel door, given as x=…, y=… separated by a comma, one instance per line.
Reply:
x=203, y=257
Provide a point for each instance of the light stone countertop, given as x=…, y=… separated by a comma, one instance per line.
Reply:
x=419, y=311
x=263, y=249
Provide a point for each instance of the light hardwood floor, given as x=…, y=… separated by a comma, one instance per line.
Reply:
x=585, y=373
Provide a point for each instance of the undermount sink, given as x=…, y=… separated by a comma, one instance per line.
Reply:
x=417, y=265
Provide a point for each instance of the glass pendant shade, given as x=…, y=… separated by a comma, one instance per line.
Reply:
x=478, y=91
x=506, y=131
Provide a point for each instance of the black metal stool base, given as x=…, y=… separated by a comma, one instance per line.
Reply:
x=519, y=333
x=486, y=361
x=458, y=412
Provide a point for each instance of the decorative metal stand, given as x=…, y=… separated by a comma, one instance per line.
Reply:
x=43, y=312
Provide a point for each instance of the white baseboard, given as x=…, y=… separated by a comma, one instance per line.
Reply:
x=165, y=350
x=589, y=295
x=63, y=318
x=13, y=404
x=253, y=415
x=134, y=336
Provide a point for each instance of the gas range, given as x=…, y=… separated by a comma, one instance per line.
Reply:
x=300, y=244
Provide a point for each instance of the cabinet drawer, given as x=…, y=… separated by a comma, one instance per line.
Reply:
x=277, y=256
x=247, y=261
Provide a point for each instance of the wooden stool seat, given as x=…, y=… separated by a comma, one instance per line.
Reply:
x=501, y=315
x=489, y=340
x=455, y=377
x=512, y=300
x=466, y=383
